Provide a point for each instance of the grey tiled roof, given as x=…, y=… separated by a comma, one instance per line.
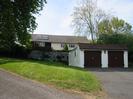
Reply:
x=59, y=39
x=102, y=47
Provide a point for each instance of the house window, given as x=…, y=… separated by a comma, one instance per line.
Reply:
x=41, y=44
x=63, y=45
x=72, y=45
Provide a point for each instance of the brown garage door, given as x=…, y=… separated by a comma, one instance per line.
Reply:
x=92, y=59
x=115, y=59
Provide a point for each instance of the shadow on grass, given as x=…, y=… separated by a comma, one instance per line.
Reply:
x=8, y=60
x=55, y=64
x=41, y=62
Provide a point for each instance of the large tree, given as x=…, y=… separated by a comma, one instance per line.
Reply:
x=86, y=17
x=116, y=31
x=126, y=39
x=114, y=25
x=17, y=20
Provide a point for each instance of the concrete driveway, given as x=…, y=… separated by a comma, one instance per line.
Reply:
x=14, y=87
x=117, y=83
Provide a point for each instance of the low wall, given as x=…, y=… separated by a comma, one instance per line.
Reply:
x=52, y=56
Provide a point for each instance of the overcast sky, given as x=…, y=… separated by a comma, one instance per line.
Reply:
x=56, y=18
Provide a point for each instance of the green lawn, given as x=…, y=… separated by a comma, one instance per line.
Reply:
x=50, y=73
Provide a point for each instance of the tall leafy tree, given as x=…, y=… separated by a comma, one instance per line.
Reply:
x=86, y=17
x=17, y=20
x=116, y=31
x=114, y=25
x=126, y=39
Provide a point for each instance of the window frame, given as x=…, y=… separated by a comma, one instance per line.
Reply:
x=62, y=45
x=71, y=45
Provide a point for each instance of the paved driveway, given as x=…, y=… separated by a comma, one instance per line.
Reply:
x=14, y=87
x=117, y=83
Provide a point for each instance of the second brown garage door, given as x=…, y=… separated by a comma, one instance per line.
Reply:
x=92, y=59
x=115, y=59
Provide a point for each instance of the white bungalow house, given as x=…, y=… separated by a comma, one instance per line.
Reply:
x=53, y=47
x=101, y=56
x=57, y=42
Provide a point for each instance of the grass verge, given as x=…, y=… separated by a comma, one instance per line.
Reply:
x=56, y=74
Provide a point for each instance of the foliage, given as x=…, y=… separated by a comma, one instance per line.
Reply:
x=17, y=51
x=65, y=47
x=17, y=20
x=126, y=39
x=56, y=74
x=116, y=31
x=86, y=17
x=114, y=25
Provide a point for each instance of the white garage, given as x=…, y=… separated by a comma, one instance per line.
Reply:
x=99, y=56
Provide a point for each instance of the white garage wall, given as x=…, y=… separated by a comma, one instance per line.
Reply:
x=76, y=58
x=125, y=59
x=82, y=59
x=104, y=58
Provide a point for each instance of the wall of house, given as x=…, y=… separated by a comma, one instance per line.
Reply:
x=104, y=58
x=59, y=56
x=76, y=58
x=57, y=46
x=125, y=59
